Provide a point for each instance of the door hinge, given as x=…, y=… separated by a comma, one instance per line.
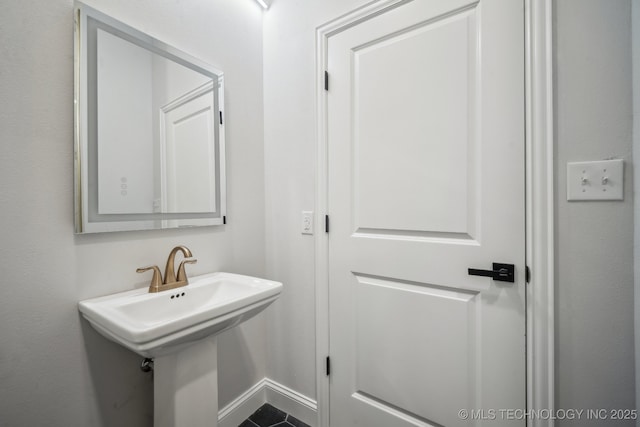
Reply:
x=224, y=219
x=220, y=116
x=326, y=80
x=328, y=366
x=326, y=223
x=527, y=274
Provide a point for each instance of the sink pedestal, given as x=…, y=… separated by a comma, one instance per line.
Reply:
x=185, y=386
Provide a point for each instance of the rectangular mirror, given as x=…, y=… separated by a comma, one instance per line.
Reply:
x=149, y=131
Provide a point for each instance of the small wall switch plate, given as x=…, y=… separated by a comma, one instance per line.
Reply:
x=602, y=180
x=307, y=222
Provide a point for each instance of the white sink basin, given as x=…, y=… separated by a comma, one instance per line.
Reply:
x=155, y=324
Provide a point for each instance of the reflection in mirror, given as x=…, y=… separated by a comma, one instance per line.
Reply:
x=149, y=132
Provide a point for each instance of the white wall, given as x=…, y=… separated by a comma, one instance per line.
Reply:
x=594, y=242
x=635, y=42
x=54, y=369
x=290, y=141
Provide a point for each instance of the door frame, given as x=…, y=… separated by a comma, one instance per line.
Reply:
x=539, y=196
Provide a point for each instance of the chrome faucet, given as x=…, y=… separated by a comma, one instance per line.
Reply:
x=170, y=279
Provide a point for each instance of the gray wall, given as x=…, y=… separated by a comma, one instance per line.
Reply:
x=54, y=369
x=594, y=283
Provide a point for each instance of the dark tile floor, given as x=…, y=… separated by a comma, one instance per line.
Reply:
x=269, y=416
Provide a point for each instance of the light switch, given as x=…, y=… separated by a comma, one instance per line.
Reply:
x=307, y=222
x=601, y=180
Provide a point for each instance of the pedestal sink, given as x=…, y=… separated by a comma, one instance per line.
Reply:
x=178, y=328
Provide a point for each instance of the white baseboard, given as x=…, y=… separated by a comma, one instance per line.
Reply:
x=243, y=406
x=292, y=402
x=276, y=394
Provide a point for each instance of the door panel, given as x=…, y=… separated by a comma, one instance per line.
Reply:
x=425, y=180
x=189, y=156
x=387, y=73
x=441, y=353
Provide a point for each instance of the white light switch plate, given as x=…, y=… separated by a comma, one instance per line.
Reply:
x=601, y=180
x=307, y=222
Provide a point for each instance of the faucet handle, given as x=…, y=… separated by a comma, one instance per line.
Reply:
x=182, y=274
x=156, y=280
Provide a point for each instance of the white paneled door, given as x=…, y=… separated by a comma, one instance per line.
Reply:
x=425, y=134
x=188, y=155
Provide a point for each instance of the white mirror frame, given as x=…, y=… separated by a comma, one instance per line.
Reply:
x=95, y=222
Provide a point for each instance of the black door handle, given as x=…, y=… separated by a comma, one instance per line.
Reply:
x=500, y=272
